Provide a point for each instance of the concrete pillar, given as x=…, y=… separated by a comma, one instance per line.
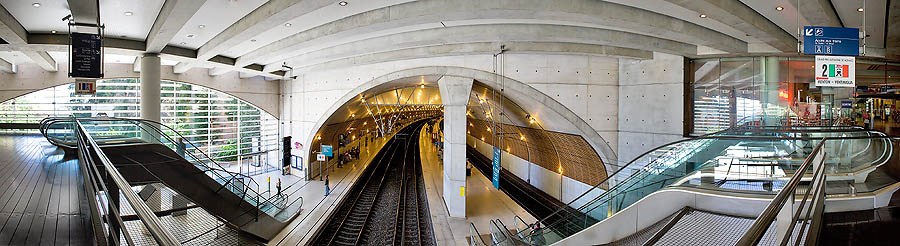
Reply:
x=455, y=96
x=150, y=88
x=769, y=89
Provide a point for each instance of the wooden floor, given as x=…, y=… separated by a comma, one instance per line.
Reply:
x=42, y=200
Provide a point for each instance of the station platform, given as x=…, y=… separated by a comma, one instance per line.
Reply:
x=483, y=202
x=315, y=205
x=42, y=199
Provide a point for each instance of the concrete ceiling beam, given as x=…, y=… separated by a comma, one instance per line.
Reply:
x=85, y=12
x=892, y=37
x=137, y=64
x=736, y=14
x=818, y=12
x=411, y=16
x=496, y=34
x=182, y=67
x=6, y=66
x=15, y=34
x=171, y=18
x=216, y=71
x=58, y=42
x=471, y=49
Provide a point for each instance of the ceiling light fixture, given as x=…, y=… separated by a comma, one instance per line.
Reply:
x=287, y=24
x=183, y=43
x=129, y=13
x=253, y=40
x=343, y=3
x=702, y=15
x=190, y=35
x=202, y=26
x=779, y=8
x=860, y=10
x=36, y=5
x=53, y=31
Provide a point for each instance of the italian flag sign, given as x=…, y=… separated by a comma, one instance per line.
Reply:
x=836, y=71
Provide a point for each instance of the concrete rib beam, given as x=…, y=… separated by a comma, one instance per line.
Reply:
x=819, y=13
x=470, y=49
x=169, y=21
x=739, y=16
x=15, y=34
x=410, y=16
x=6, y=66
x=498, y=34
x=892, y=37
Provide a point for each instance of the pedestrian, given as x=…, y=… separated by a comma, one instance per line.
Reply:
x=327, y=189
x=278, y=186
x=538, y=235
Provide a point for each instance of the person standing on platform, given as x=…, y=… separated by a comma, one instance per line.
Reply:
x=278, y=187
x=327, y=189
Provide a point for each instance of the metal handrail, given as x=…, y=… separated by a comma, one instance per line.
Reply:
x=146, y=215
x=474, y=236
x=765, y=219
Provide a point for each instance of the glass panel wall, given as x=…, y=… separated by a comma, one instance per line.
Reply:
x=778, y=91
x=221, y=125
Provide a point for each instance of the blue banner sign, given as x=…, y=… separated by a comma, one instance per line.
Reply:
x=846, y=104
x=326, y=150
x=496, y=177
x=823, y=40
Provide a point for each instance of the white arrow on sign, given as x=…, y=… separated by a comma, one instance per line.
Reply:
x=809, y=32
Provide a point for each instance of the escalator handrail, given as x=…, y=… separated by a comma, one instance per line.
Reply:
x=146, y=215
x=707, y=136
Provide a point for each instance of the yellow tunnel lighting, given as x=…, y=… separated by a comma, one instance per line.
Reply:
x=319, y=138
x=560, y=170
x=468, y=132
x=522, y=137
x=488, y=129
x=507, y=149
x=482, y=138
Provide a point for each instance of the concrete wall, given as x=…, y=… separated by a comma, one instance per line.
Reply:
x=584, y=84
x=255, y=90
x=651, y=104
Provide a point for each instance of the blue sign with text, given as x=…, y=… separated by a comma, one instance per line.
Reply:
x=823, y=40
x=846, y=104
x=326, y=150
x=496, y=177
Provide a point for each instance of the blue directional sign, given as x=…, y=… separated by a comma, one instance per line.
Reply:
x=326, y=150
x=496, y=177
x=823, y=40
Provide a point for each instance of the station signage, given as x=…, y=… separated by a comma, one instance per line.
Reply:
x=835, y=71
x=326, y=150
x=320, y=157
x=824, y=40
x=496, y=177
x=85, y=56
x=85, y=87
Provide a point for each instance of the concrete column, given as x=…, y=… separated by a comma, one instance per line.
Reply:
x=769, y=87
x=150, y=88
x=455, y=96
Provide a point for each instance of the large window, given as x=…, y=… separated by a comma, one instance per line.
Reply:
x=221, y=125
x=777, y=91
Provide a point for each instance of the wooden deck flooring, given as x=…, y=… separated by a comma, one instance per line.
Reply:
x=42, y=200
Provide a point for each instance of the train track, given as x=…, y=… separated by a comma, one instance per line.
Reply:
x=389, y=197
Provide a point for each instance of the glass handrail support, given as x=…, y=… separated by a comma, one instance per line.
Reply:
x=715, y=162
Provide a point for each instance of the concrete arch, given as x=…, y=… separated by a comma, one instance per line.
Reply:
x=514, y=89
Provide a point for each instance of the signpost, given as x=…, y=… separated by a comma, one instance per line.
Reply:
x=836, y=71
x=496, y=176
x=320, y=157
x=86, y=56
x=823, y=40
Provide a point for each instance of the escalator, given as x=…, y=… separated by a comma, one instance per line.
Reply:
x=751, y=164
x=146, y=152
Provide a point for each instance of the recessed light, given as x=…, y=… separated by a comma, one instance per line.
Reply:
x=860, y=10
x=53, y=31
x=702, y=15
x=343, y=3
x=190, y=35
x=183, y=43
x=129, y=13
x=202, y=26
x=36, y=5
x=779, y=8
x=253, y=40
x=287, y=24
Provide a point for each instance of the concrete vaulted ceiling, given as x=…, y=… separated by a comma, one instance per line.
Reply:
x=255, y=37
